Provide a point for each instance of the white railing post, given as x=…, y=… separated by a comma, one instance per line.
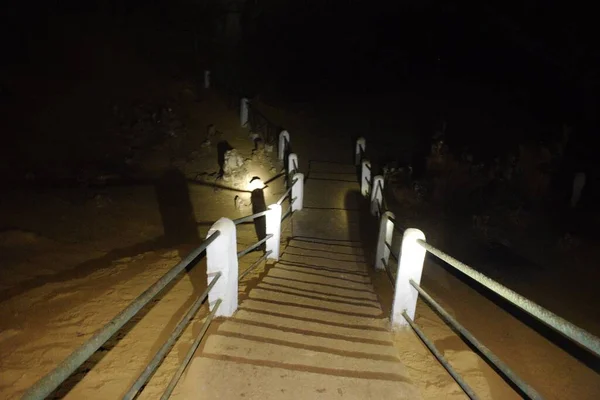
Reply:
x=376, y=194
x=386, y=232
x=284, y=139
x=410, y=266
x=206, y=79
x=365, y=177
x=361, y=146
x=297, y=191
x=273, y=218
x=221, y=256
x=244, y=111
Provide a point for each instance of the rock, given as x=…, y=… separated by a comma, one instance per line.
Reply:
x=232, y=161
x=273, y=170
x=259, y=144
x=206, y=143
x=238, y=202
x=102, y=201
x=254, y=136
x=269, y=148
x=200, y=176
x=226, y=178
x=258, y=154
x=211, y=130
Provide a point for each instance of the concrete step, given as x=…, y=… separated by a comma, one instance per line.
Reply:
x=313, y=327
x=219, y=379
x=253, y=349
x=350, y=283
x=277, y=297
x=309, y=340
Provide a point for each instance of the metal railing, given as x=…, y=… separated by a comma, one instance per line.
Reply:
x=566, y=328
x=190, y=353
x=222, y=289
x=260, y=124
x=249, y=218
x=168, y=345
x=410, y=261
x=247, y=250
x=42, y=388
x=440, y=357
x=255, y=264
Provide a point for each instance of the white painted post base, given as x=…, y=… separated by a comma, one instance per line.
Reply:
x=376, y=195
x=273, y=228
x=221, y=256
x=206, y=79
x=297, y=191
x=386, y=232
x=361, y=147
x=284, y=139
x=412, y=257
x=244, y=111
x=365, y=177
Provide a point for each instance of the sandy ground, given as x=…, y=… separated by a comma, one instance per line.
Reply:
x=70, y=264
x=72, y=258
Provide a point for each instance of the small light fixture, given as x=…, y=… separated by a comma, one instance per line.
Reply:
x=255, y=183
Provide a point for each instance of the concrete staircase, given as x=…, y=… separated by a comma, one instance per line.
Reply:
x=311, y=326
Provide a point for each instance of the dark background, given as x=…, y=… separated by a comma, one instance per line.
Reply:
x=497, y=72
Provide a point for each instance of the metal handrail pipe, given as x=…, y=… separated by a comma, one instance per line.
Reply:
x=397, y=227
x=568, y=329
x=440, y=357
x=254, y=264
x=190, y=353
x=42, y=388
x=249, y=217
x=504, y=369
x=286, y=194
x=254, y=246
x=287, y=213
x=168, y=345
x=388, y=272
x=391, y=251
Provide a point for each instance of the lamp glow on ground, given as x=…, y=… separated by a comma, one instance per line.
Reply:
x=255, y=183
